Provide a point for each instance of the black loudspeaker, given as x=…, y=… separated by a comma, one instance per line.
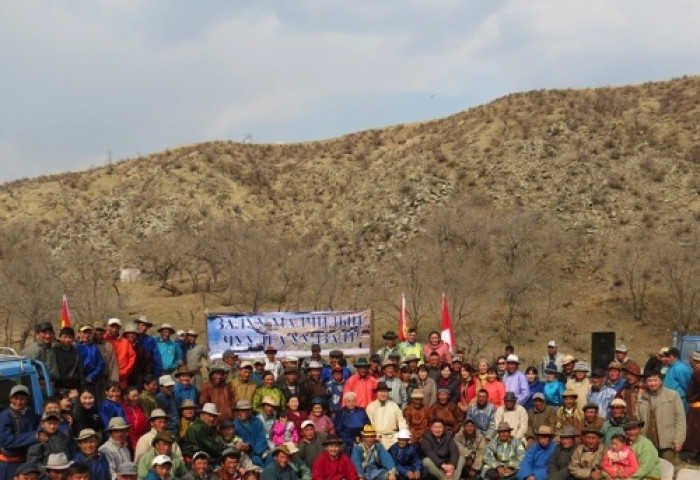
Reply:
x=602, y=349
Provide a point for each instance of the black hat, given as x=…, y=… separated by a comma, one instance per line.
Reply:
x=390, y=336
x=43, y=326
x=632, y=422
x=28, y=467
x=598, y=372
x=382, y=386
x=592, y=430
x=332, y=440
x=315, y=347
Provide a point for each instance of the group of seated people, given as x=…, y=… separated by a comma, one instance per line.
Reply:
x=402, y=414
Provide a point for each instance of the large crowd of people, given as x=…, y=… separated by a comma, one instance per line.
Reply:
x=130, y=405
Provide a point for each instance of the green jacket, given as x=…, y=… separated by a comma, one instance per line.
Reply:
x=202, y=437
x=274, y=472
x=147, y=459
x=647, y=458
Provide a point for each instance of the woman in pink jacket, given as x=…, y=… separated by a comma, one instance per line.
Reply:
x=435, y=344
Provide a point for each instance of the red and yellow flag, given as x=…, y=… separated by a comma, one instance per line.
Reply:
x=65, y=313
x=403, y=319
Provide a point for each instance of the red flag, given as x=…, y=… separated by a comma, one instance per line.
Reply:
x=65, y=313
x=447, y=335
x=403, y=321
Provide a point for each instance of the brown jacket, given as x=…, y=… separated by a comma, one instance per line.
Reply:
x=417, y=420
x=584, y=460
x=222, y=397
x=450, y=414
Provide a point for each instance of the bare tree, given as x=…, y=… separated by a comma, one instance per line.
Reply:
x=637, y=264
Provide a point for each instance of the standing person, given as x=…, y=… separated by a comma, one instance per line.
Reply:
x=614, y=378
x=553, y=388
x=145, y=363
x=411, y=346
x=196, y=355
x=621, y=356
x=397, y=391
x=148, y=343
x=632, y=387
x=389, y=347
x=334, y=390
x=272, y=364
x=147, y=397
x=515, y=381
x=169, y=351
x=217, y=392
x=334, y=358
x=315, y=357
x=467, y=387
x=448, y=382
x=243, y=387
x=662, y=412
x=534, y=384
x=361, y=383
x=39, y=349
x=600, y=394
x=580, y=384
x=111, y=370
x=134, y=415
x=123, y=349
x=435, y=344
x=66, y=367
x=427, y=386
x=184, y=390
x=495, y=388
x=678, y=375
x=692, y=442
x=503, y=455
x=18, y=425
x=442, y=458
x=168, y=403
x=93, y=365
x=112, y=406
x=553, y=356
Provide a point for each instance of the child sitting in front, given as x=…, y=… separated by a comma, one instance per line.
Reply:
x=620, y=460
x=284, y=430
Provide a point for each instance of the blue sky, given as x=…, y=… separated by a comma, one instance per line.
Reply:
x=81, y=79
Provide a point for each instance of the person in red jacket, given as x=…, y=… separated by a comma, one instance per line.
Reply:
x=123, y=350
x=333, y=463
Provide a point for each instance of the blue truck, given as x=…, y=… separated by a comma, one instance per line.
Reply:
x=687, y=344
x=19, y=370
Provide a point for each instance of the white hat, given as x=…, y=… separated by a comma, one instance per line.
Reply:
x=621, y=347
x=291, y=359
x=404, y=434
x=210, y=408
x=181, y=333
x=552, y=343
x=192, y=332
x=58, y=461
x=114, y=321
x=166, y=381
x=306, y=423
x=19, y=389
x=161, y=460
x=512, y=358
x=130, y=328
x=314, y=364
x=166, y=326
x=291, y=446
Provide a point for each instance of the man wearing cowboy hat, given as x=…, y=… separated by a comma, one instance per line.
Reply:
x=87, y=442
x=243, y=386
x=18, y=425
x=417, y=415
x=503, y=454
x=159, y=423
x=600, y=394
x=361, y=383
x=534, y=464
x=201, y=436
x=56, y=467
x=116, y=448
x=371, y=459
x=569, y=413
x=279, y=468
x=170, y=352
x=587, y=459
x=397, y=391
x=333, y=463
x=389, y=347
x=579, y=383
x=558, y=465
x=149, y=343
x=162, y=444
x=217, y=392
x=648, y=464
x=184, y=390
x=512, y=413
x=127, y=471
x=252, y=433
x=386, y=416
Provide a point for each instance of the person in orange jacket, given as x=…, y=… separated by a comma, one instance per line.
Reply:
x=124, y=351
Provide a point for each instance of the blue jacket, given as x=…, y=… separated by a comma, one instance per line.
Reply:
x=17, y=431
x=535, y=461
x=169, y=406
x=535, y=387
x=93, y=363
x=149, y=343
x=348, y=425
x=109, y=409
x=552, y=393
x=334, y=391
x=406, y=459
x=99, y=468
x=677, y=378
x=359, y=459
x=170, y=354
x=252, y=432
x=327, y=373
x=181, y=394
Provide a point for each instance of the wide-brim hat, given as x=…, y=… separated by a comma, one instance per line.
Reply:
x=164, y=436
x=695, y=356
x=632, y=422
x=127, y=468
x=390, y=336
x=569, y=393
x=417, y=393
x=594, y=431
x=388, y=363
x=200, y=454
x=510, y=397
x=158, y=413
x=314, y=365
x=581, y=367
x=551, y=368
x=28, y=467
x=270, y=349
x=568, y=359
x=618, y=402
x=545, y=431
x=192, y=333
x=568, y=431
x=291, y=446
x=589, y=406
x=504, y=427
x=268, y=400
x=166, y=381
x=281, y=449
x=143, y=319
x=114, y=321
x=404, y=434
x=166, y=326
x=57, y=461
x=187, y=403
x=130, y=328
x=243, y=405
x=621, y=347
x=183, y=370
x=382, y=386
x=332, y=440
x=368, y=431
x=411, y=357
x=614, y=365
x=361, y=362
x=634, y=368
x=116, y=424
x=512, y=358
x=210, y=408
x=218, y=367
x=86, y=433
x=335, y=353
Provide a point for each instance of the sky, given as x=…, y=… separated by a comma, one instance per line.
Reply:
x=86, y=82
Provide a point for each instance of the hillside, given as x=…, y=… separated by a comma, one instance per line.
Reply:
x=602, y=166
